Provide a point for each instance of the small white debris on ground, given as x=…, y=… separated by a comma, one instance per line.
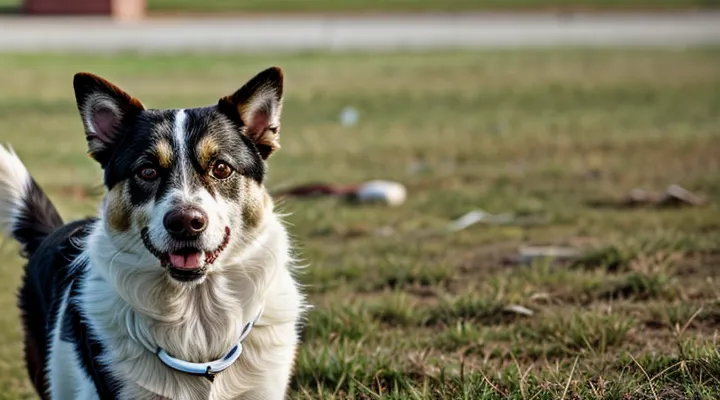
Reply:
x=518, y=309
x=559, y=253
x=473, y=217
x=349, y=116
x=379, y=191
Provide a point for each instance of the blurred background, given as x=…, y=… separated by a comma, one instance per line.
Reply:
x=495, y=199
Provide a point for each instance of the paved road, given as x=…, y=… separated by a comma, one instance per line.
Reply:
x=371, y=33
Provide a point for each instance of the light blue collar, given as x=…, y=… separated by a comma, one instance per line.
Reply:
x=211, y=368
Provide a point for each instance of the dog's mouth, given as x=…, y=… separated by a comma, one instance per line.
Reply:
x=186, y=263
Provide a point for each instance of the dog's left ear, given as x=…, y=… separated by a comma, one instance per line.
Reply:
x=105, y=110
x=257, y=107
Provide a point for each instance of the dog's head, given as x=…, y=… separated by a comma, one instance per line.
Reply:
x=187, y=184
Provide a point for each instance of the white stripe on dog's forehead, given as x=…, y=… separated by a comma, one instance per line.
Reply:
x=180, y=139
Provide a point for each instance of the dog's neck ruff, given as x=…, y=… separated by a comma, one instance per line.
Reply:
x=209, y=369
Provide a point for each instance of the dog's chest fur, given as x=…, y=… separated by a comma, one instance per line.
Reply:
x=193, y=323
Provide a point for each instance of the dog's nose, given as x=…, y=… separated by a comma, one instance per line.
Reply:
x=185, y=223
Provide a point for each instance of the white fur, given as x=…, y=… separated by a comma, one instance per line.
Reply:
x=67, y=378
x=135, y=309
x=14, y=182
x=180, y=138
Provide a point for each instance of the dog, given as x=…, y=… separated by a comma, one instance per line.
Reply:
x=183, y=286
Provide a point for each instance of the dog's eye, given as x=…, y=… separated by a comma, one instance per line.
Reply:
x=147, y=173
x=220, y=170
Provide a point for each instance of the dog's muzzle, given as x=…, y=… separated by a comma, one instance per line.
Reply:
x=185, y=263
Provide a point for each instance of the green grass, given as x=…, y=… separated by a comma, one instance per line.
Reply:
x=362, y=6
x=416, y=313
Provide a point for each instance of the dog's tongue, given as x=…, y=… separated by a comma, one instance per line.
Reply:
x=186, y=261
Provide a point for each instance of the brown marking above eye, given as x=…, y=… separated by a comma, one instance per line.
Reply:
x=207, y=147
x=164, y=154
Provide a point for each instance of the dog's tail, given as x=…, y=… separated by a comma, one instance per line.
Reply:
x=26, y=213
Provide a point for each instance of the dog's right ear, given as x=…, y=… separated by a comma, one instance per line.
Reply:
x=104, y=109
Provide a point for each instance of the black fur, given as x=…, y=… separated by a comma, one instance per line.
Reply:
x=151, y=126
x=236, y=149
x=134, y=148
x=254, y=167
x=36, y=218
x=76, y=330
x=47, y=276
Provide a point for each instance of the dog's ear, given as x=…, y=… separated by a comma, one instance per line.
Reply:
x=257, y=107
x=105, y=109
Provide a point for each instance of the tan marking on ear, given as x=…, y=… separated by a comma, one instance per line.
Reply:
x=116, y=209
x=253, y=204
x=269, y=139
x=164, y=154
x=207, y=147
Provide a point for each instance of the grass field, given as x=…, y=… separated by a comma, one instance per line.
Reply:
x=354, y=6
x=405, y=310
